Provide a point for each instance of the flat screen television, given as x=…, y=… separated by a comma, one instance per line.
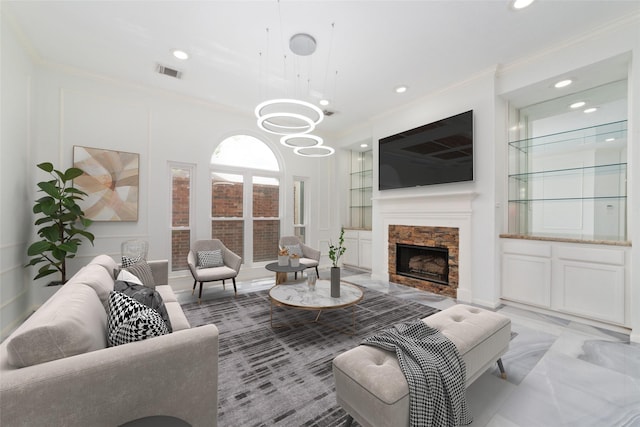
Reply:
x=436, y=153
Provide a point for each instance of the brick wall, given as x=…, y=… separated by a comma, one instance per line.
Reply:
x=226, y=199
x=227, y=202
x=266, y=235
x=231, y=233
x=441, y=237
x=180, y=244
x=180, y=239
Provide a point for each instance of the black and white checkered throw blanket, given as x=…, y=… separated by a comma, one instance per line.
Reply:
x=434, y=370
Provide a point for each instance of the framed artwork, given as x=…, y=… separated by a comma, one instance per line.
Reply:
x=111, y=180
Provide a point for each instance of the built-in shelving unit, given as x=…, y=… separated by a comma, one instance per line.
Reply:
x=570, y=184
x=361, y=189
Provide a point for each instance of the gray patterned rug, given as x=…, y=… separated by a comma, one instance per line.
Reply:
x=283, y=377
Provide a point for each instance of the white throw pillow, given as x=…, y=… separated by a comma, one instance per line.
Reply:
x=126, y=276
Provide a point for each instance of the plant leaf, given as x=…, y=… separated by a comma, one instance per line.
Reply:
x=38, y=248
x=47, y=167
x=44, y=273
x=69, y=246
x=50, y=189
x=72, y=173
x=58, y=253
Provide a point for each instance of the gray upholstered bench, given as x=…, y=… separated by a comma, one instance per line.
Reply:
x=371, y=387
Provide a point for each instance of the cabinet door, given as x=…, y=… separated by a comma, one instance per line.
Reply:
x=365, y=251
x=526, y=279
x=350, y=256
x=590, y=289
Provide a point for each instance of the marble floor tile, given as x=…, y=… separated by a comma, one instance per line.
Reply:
x=559, y=372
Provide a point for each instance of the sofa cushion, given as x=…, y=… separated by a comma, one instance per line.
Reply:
x=209, y=259
x=147, y=296
x=96, y=277
x=72, y=321
x=105, y=261
x=142, y=271
x=131, y=321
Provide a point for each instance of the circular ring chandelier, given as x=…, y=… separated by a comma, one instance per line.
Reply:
x=265, y=123
x=305, y=140
x=317, y=151
x=268, y=113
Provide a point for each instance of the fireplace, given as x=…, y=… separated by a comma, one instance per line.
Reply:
x=423, y=262
x=424, y=257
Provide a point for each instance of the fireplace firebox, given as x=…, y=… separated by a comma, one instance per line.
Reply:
x=423, y=263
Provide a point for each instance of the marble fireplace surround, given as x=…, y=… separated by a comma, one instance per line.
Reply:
x=451, y=210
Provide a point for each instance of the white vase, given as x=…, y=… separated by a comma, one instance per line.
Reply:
x=295, y=262
x=283, y=259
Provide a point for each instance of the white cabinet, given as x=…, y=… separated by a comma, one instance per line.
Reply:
x=579, y=279
x=358, y=244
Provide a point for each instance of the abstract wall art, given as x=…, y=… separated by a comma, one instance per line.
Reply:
x=111, y=180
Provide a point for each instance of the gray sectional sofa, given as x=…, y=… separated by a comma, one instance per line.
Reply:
x=57, y=370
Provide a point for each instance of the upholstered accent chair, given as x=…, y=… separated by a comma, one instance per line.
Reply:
x=210, y=261
x=310, y=257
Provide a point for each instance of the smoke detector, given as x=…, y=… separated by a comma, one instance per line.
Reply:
x=302, y=44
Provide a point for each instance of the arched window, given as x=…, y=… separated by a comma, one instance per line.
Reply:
x=245, y=197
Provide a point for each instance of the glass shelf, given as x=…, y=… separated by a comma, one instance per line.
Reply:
x=601, y=134
x=614, y=168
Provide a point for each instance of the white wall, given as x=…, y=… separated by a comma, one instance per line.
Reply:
x=78, y=109
x=485, y=95
x=476, y=94
x=16, y=191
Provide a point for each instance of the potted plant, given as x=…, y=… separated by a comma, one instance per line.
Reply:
x=295, y=260
x=61, y=220
x=335, y=252
x=283, y=256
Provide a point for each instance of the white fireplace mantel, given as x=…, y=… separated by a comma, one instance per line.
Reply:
x=434, y=210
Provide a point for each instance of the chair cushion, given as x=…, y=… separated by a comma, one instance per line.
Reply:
x=215, y=273
x=58, y=330
x=308, y=262
x=208, y=259
x=131, y=321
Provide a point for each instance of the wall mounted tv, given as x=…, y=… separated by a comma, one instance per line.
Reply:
x=436, y=153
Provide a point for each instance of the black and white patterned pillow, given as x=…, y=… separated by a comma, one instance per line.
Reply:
x=147, y=296
x=142, y=271
x=294, y=250
x=131, y=321
x=209, y=259
x=128, y=261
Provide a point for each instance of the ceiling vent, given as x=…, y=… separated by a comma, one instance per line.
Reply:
x=171, y=72
x=328, y=113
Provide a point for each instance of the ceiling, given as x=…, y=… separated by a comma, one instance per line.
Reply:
x=239, y=53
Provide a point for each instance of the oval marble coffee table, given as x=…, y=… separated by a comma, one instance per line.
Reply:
x=299, y=296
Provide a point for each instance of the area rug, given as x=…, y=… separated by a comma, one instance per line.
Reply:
x=283, y=376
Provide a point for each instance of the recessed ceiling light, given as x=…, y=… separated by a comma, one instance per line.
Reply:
x=180, y=54
x=401, y=89
x=577, y=104
x=590, y=110
x=364, y=145
x=609, y=139
x=324, y=102
x=563, y=83
x=521, y=4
